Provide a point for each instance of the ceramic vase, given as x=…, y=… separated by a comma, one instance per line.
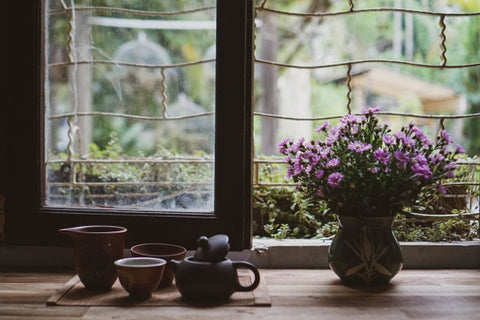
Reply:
x=365, y=251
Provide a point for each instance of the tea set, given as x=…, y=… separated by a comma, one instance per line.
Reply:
x=206, y=276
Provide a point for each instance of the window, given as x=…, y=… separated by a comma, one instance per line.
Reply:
x=318, y=60
x=34, y=215
x=129, y=105
x=30, y=221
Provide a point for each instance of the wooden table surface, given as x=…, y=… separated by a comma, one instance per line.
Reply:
x=295, y=294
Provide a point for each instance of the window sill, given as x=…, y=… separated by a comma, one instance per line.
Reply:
x=271, y=253
x=302, y=253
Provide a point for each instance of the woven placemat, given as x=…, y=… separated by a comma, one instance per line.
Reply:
x=74, y=293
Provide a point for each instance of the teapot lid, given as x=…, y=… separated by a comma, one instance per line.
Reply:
x=212, y=249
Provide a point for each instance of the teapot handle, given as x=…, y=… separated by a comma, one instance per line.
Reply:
x=246, y=265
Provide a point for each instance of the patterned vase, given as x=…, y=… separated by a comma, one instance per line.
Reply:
x=365, y=251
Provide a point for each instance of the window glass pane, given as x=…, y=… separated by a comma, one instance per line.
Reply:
x=129, y=104
x=304, y=50
x=318, y=60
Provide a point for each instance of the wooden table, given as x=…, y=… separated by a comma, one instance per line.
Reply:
x=295, y=294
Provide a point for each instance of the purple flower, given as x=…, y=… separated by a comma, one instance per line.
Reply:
x=371, y=110
x=283, y=145
x=324, y=153
x=334, y=179
x=296, y=146
x=459, y=149
x=297, y=165
x=400, y=136
x=319, y=173
x=446, y=136
x=420, y=159
x=323, y=127
x=332, y=137
x=436, y=158
x=402, y=159
x=334, y=130
x=332, y=163
x=388, y=139
x=349, y=118
x=285, y=141
x=382, y=156
x=426, y=141
x=314, y=159
x=421, y=136
x=422, y=170
x=409, y=142
x=359, y=147
x=374, y=170
x=308, y=145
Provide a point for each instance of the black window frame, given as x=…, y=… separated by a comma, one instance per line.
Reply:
x=29, y=223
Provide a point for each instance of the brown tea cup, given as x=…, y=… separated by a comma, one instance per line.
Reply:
x=164, y=251
x=140, y=276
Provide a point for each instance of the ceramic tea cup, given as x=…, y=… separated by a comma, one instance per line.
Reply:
x=140, y=276
x=164, y=251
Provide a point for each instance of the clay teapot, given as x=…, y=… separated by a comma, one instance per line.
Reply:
x=95, y=249
x=214, y=278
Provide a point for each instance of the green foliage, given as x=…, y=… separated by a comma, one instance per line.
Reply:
x=282, y=213
x=285, y=213
x=452, y=229
x=125, y=183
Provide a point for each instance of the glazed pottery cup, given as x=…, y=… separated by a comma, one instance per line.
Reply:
x=164, y=251
x=95, y=248
x=140, y=276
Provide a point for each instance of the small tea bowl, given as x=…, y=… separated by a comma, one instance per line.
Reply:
x=164, y=251
x=140, y=276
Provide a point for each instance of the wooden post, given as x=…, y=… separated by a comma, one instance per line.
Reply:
x=269, y=77
x=80, y=79
x=397, y=30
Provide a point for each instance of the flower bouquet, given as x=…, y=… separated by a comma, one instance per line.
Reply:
x=361, y=168
x=367, y=174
